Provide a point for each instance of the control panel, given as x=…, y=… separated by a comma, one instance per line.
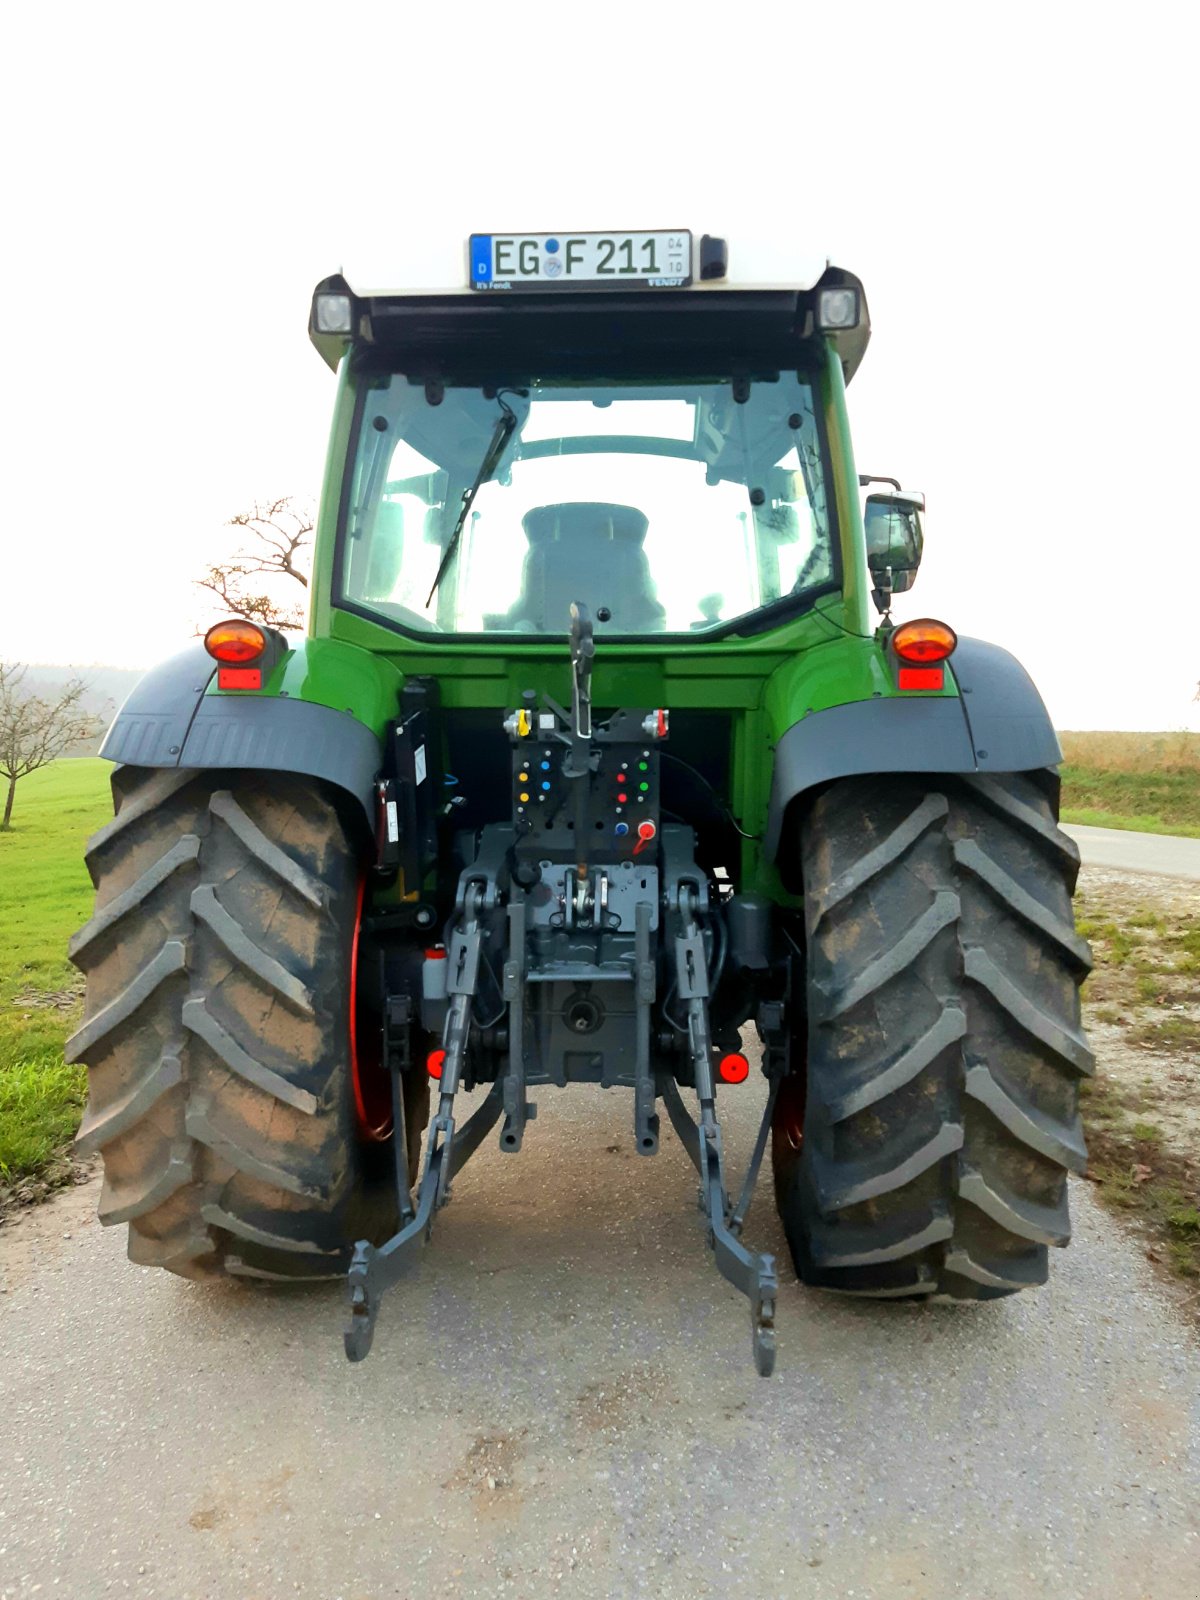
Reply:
x=618, y=810
x=623, y=798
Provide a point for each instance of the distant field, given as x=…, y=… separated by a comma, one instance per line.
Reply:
x=45, y=894
x=1146, y=781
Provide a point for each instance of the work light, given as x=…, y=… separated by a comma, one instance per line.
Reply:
x=837, y=308
x=333, y=313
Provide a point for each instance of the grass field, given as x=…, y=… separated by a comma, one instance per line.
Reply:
x=1142, y=1010
x=45, y=894
x=1149, y=782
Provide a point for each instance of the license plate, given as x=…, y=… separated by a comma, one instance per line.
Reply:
x=572, y=260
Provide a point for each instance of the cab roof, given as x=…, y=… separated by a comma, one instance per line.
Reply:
x=439, y=265
x=418, y=306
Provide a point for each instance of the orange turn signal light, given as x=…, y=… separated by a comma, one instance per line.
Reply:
x=236, y=641
x=434, y=1062
x=924, y=641
x=733, y=1068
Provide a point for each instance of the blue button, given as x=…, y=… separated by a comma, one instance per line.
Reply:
x=621, y=829
x=545, y=766
x=546, y=786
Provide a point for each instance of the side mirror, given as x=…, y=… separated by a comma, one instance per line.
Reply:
x=894, y=541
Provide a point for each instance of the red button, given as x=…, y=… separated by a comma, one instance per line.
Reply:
x=646, y=830
x=622, y=798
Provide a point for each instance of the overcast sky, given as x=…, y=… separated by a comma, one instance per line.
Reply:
x=1016, y=185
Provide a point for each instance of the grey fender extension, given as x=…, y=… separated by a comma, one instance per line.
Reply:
x=999, y=724
x=169, y=721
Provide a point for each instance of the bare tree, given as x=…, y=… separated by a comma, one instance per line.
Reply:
x=277, y=540
x=35, y=731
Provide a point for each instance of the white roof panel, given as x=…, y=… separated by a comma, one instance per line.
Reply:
x=429, y=264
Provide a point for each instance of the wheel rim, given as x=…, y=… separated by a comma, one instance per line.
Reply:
x=372, y=1091
x=789, y=1110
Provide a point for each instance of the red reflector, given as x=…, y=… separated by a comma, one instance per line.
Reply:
x=239, y=677
x=436, y=952
x=921, y=677
x=434, y=1062
x=733, y=1069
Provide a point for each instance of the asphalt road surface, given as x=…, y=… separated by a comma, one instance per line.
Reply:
x=1162, y=854
x=561, y=1400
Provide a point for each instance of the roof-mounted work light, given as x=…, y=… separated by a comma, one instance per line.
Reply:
x=333, y=313
x=837, y=309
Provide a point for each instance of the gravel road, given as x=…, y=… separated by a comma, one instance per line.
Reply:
x=562, y=1400
x=1164, y=854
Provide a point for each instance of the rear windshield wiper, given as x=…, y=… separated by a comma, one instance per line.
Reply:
x=504, y=431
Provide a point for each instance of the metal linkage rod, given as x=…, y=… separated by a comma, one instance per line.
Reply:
x=373, y=1270
x=645, y=1092
x=754, y=1275
x=516, y=1108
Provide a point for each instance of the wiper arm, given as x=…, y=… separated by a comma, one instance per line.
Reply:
x=505, y=429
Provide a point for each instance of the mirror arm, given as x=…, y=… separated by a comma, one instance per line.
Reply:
x=864, y=478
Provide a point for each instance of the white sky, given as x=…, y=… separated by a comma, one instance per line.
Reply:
x=1015, y=184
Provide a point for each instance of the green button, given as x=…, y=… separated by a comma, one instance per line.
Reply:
x=643, y=766
x=643, y=787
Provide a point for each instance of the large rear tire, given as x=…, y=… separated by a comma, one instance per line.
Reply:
x=944, y=1047
x=216, y=1028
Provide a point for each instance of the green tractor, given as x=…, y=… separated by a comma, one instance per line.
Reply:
x=594, y=765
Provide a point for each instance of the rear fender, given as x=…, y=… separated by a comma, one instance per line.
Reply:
x=175, y=717
x=998, y=723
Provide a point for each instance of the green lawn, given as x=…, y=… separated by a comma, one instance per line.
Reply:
x=45, y=894
x=1149, y=782
x=1087, y=817
x=1149, y=801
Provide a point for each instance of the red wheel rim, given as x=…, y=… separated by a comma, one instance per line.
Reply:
x=789, y=1110
x=789, y=1114
x=372, y=1092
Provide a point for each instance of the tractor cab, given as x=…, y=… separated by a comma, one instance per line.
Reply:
x=657, y=442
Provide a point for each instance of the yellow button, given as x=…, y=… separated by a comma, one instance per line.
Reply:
x=523, y=798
